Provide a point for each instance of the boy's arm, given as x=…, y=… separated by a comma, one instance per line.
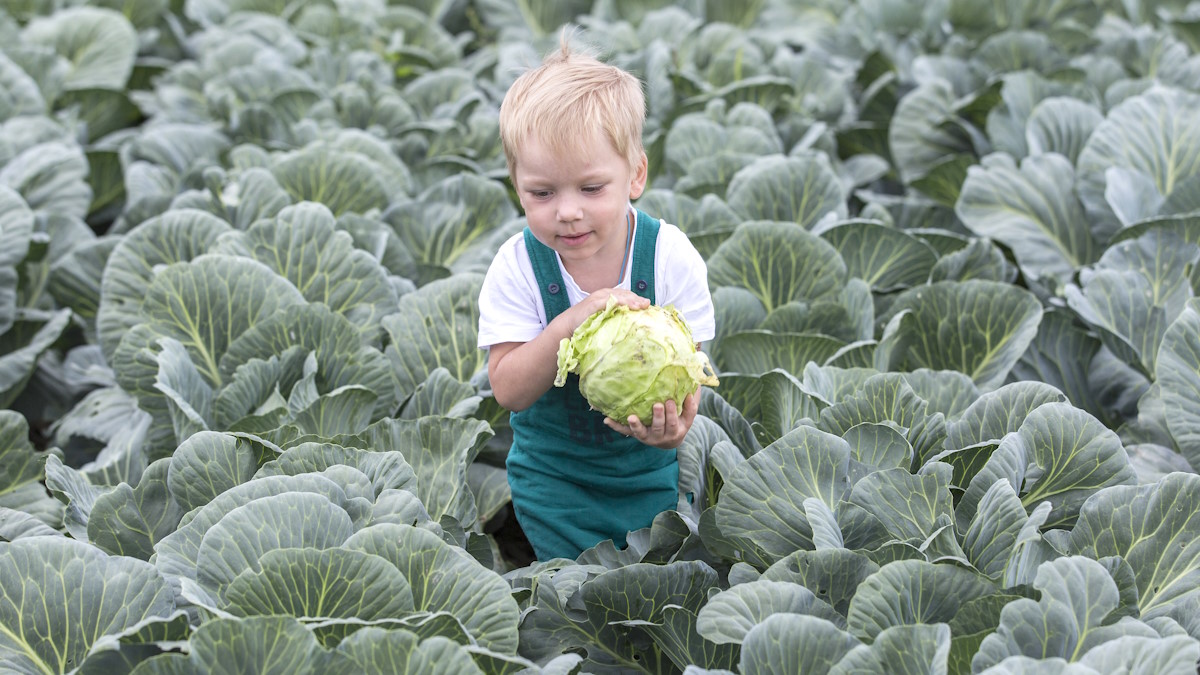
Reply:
x=520, y=372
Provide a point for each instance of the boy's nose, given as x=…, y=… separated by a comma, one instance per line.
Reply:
x=569, y=210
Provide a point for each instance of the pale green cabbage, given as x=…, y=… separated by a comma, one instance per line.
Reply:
x=629, y=359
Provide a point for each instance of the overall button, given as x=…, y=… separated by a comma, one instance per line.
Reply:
x=553, y=288
x=641, y=284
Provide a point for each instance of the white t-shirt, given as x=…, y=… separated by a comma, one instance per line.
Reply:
x=510, y=303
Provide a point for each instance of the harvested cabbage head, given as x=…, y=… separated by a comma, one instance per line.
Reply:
x=629, y=359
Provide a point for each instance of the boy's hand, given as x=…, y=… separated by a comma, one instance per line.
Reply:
x=597, y=301
x=667, y=426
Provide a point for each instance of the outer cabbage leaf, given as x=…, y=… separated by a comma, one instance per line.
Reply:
x=58, y=596
x=1060, y=454
x=979, y=328
x=1156, y=529
x=51, y=177
x=448, y=221
x=444, y=578
x=1134, y=292
x=99, y=43
x=130, y=520
x=1070, y=618
x=435, y=327
x=887, y=259
x=800, y=190
x=1178, y=369
x=779, y=263
x=762, y=502
x=176, y=236
x=344, y=356
x=911, y=650
x=439, y=449
x=303, y=245
x=794, y=643
x=1032, y=210
x=910, y=592
x=344, y=181
x=730, y=615
x=1146, y=136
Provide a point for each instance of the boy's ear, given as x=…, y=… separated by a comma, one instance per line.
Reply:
x=640, y=173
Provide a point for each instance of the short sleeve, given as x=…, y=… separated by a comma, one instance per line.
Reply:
x=681, y=279
x=510, y=309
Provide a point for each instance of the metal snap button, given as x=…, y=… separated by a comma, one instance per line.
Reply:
x=553, y=288
x=641, y=284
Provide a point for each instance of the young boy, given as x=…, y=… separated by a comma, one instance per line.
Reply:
x=572, y=133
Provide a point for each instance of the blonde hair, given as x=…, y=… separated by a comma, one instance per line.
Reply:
x=570, y=96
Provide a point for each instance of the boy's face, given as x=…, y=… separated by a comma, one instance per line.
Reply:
x=576, y=202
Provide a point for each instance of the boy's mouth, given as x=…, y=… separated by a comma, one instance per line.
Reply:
x=574, y=239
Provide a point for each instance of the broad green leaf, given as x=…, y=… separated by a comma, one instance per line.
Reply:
x=999, y=412
x=1061, y=125
x=980, y=259
x=386, y=469
x=22, y=96
x=794, y=643
x=1060, y=454
x=444, y=579
x=1178, y=370
x=20, y=480
x=834, y=575
x=51, y=177
x=240, y=539
x=1077, y=595
x=450, y=219
x=345, y=182
x=442, y=394
x=1134, y=292
x=207, y=464
x=760, y=351
x=435, y=327
x=1173, y=654
x=799, y=190
x=908, y=650
x=1146, y=135
x=730, y=615
x=16, y=227
x=130, y=520
x=1060, y=356
x=344, y=356
x=922, y=133
x=1033, y=210
x=99, y=43
x=886, y=258
x=208, y=303
x=779, y=262
x=375, y=650
x=763, y=500
x=317, y=584
x=624, y=602
x=439, y=449
x=994, y=528
x=1153, y=528
x=177, y=555
x=59, y=596
x=269, y=645
x=908, y=505
x=979, y=328
x=17, y=524
x=302, y=245
x=21, y=348
x=909, y=592
x=888, y=398
x=946, y=391
x=174, y=237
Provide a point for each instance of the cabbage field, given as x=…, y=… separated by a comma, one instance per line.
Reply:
x=954, y=251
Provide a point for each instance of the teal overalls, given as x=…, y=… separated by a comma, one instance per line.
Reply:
x=575, y=482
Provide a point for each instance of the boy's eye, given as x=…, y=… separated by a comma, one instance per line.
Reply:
x=539, y=194
x=592, y=188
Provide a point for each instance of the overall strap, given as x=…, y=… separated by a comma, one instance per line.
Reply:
x=549, y=277
x=644, y=243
